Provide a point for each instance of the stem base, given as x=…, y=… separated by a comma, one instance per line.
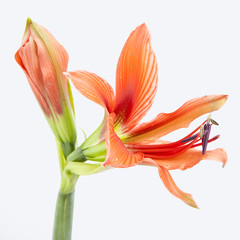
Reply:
x=62, y=229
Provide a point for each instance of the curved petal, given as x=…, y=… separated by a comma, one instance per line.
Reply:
x=43, y=60
x=44, y=70
x=27, y=58
x=117, y=154
x=136, y=78
x=173, y=188
x=53, y=61
x=93, y=87
x=165, y=123
x=171, y=185
x=57, y=52
x=188, y=159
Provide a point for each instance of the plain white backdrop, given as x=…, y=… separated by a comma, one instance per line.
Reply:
x=197, y=44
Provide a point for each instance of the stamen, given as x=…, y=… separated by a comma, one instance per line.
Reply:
x=214, y=122
x=178, y=143
x=190, y=138
x=170, y=154
x=174, y=149
x=209, y=118
x=210, y=140
x=201, y=131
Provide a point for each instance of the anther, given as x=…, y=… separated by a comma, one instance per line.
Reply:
x=209, y=118
x=214, y=122
x=201, y=131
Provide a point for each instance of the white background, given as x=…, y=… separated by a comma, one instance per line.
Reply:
x=197, y=44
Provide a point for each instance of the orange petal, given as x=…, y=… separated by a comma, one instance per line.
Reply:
x=136, y=78
x=43, y=60
x=165, y=123
x=173, y=188
x=53, y=61
x=93, y=87
x=117, y=154
x=190, y=159
x=57, y=52
x=27, y=58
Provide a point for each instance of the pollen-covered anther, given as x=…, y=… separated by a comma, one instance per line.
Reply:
x=209, y=118
x=214, y=122
x=201, y=131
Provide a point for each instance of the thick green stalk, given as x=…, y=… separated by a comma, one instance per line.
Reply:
x=62, y=229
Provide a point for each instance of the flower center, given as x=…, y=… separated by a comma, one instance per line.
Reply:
x=199, y=137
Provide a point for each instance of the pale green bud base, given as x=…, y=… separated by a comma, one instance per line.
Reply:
x=67, y=149
x=77, y=156
x=68, y=181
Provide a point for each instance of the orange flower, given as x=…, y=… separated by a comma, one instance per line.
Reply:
x=44, y=60
x=129, y=142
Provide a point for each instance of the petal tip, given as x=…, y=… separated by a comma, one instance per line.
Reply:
x=224, y=164
x=218, y=154
x=29, y=21
x=224, y=158
x=143, y=25
x=193, y=204
x=104, y=164
x=225, y=97
x=188, y=199
x=66, y=74
x=221, y=100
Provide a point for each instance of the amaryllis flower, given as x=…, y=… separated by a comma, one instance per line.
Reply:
x=44, y=60
x=121, y=141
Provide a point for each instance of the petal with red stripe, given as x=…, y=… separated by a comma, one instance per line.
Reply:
x=165, y=123
x=117, y=154
x=136, y=78
x=93, y=87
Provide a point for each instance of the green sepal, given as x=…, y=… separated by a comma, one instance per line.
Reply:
x=98, y=150
x=63, y=126
x=79, y=168
x=70, y=96
x=67, y=148
x=94, y=153
x=68, y=180
x=85, y=135
x=77, y=156
x=97, y=159
x=95, y=137
x=61, y=157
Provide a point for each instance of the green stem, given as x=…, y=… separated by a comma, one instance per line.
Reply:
x=62, y=229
